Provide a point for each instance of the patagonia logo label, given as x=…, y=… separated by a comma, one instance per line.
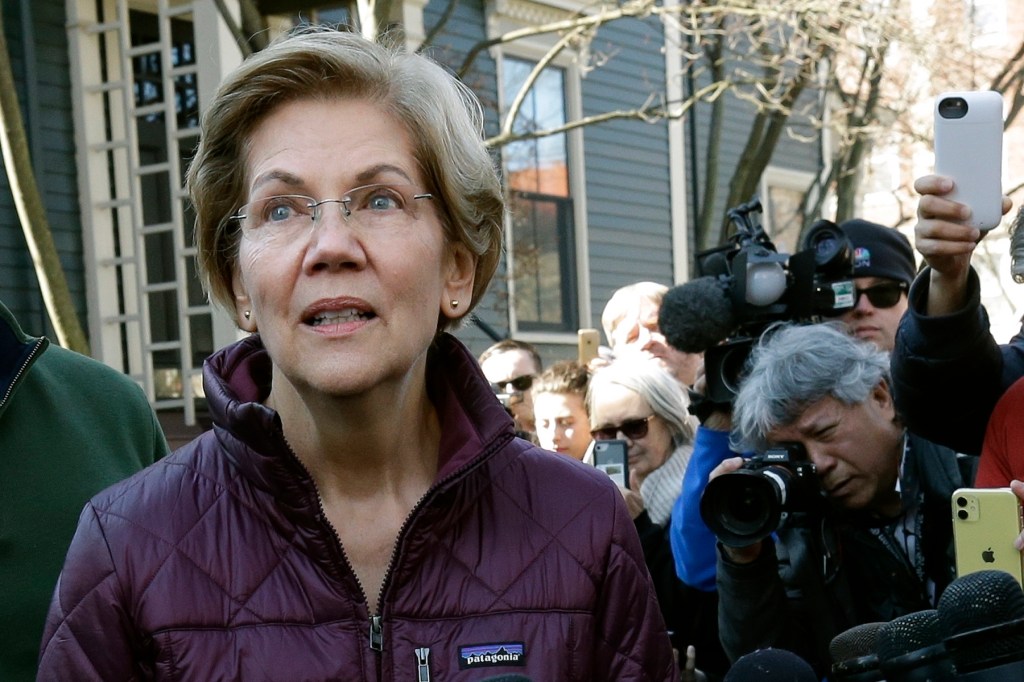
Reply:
x=492, y=655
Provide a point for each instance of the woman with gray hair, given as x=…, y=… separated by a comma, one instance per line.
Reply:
x=362, y=509
x=637, y=400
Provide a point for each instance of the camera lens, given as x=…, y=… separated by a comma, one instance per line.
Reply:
x=742, y=507
x=833, y=253
x=961, y=501
x=952, y=107
x=962, y=514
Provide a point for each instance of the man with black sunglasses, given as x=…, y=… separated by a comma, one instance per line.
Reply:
x=883, y=268
x=510, y=366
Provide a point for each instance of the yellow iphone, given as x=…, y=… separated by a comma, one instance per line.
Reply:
x=986, y=521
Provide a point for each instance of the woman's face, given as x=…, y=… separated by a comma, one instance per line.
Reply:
x=615, y=405
x=348, y=304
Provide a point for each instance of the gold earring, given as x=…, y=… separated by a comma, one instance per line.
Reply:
x=247, y=314
x=455, y=304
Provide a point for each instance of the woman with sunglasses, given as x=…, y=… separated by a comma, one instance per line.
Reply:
x=635, y=399
x=362, y=509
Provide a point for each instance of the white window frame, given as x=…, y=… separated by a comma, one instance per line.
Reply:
x=783, y=178
x=505, y=16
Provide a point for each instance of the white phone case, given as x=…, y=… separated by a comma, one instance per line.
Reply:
x=970, y=151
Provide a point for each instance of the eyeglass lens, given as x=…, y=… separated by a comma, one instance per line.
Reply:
x=522, y=383
x=634, y=429
x=882, y=295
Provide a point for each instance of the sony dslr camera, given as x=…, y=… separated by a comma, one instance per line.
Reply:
x=747, y=505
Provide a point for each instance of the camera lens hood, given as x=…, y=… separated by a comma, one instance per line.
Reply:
x=745, y=506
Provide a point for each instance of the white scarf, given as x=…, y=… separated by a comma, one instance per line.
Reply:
x=663, y=485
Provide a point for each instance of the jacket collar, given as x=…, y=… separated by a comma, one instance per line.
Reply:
x=18, y=351
x=236, y=380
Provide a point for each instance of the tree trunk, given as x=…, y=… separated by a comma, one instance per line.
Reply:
x=52, y=281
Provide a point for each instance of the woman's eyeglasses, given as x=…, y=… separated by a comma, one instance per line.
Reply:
x=884, y=295
x=517, y=385
x=634, y=429
x=371, y=206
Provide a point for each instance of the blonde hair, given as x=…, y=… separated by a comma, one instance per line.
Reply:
x=443, y=117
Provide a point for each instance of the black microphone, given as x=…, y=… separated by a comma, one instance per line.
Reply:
x=770, y=665
x=982, y=617
x=853, y=654
x=910, y=649
x=696, y=315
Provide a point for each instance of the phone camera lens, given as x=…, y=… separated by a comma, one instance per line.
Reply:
x=952, y=107
x=962, y=514
x=961, y=501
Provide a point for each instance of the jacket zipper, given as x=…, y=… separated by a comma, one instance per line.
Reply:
x=40, y=343
x=376, y=634
x=423, y=664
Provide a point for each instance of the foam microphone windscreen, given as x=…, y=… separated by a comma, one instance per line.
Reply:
x=908, y=633
x=771, y=665
x=696, y=315
x=981, y=616
x=910, y=648
x=853, y=654
x=857, y=641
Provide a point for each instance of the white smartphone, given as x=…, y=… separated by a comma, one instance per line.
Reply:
x=969, y=149
x=986, y=521
x=612, y=457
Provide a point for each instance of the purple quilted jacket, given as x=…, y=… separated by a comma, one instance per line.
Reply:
x=218, y=564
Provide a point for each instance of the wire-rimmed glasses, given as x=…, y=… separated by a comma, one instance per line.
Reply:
x=370, y=206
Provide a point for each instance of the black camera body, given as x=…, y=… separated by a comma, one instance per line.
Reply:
x=765, y=286
x=747, y=505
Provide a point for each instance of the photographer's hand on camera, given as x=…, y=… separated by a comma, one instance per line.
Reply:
x=945, y=243
x=737, y=555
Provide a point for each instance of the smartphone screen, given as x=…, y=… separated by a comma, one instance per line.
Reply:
x=611, y=457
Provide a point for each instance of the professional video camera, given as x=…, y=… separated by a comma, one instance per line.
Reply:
x=747, y=505
x=746, y=286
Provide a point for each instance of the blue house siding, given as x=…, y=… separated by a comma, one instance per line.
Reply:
x=465, y=29
x=626, y=161
x=36, y=36
x=627, y=164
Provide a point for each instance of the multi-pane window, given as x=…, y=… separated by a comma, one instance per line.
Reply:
x=543, y=242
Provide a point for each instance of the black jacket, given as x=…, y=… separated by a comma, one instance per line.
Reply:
x=948, y=372
x=826, y=573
